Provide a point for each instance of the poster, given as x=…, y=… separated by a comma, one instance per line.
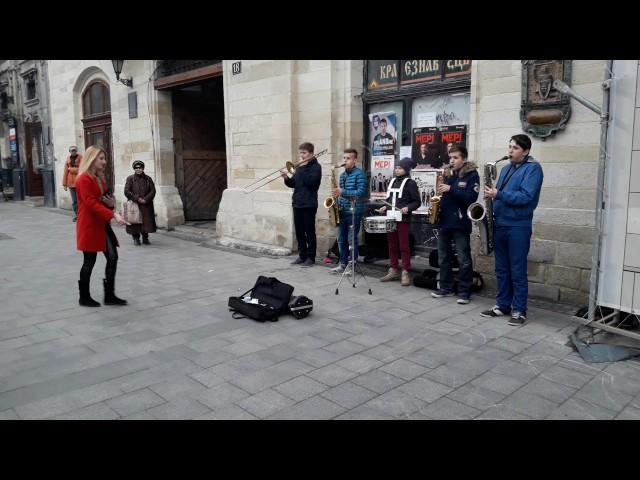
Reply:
x=427, y=181
x=383, y=133
x=430, y=144
x=427, y=150
x=405, y=151
x=454, y=134
x=381, y=175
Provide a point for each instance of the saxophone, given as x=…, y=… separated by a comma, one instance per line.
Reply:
x=434, y=204
x=332, y=202
x=482, y=214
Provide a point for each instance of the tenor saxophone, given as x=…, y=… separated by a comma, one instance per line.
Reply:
x=434, y=204
x=331, y=202
x=482, y=214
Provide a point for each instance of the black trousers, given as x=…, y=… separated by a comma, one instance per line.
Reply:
x=304, y=220
x=90, y=260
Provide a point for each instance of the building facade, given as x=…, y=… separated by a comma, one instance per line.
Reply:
x=208, y=129
x=26, y=148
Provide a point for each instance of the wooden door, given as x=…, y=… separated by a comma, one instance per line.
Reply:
x=199, y=145
x=33, y=154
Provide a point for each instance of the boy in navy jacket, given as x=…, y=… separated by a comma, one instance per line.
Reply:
x=305, y=183
x=459, y=190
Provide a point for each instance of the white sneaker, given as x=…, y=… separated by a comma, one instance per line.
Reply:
x=338, y=270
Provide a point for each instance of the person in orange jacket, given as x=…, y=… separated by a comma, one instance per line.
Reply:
x=71, y=167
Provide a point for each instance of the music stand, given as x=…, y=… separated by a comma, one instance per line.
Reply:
x=353, y=261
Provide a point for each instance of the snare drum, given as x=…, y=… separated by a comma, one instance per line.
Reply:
x=379, y=224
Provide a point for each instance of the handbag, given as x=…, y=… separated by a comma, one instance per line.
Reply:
x=131, y=212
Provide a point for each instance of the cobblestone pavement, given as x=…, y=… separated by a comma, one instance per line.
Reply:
x=175, y=352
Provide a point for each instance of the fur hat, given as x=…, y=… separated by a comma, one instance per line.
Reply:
x=138, y=163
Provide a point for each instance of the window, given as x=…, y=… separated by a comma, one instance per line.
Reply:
x=95, y=100
x=30, y=81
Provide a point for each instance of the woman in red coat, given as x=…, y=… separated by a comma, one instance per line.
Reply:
x=93, y=230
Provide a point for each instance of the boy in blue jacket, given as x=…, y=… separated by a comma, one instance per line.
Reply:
x=515, y=197
x=459, y=190
x=353, y=183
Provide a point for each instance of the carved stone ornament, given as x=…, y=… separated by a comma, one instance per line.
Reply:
x=544, y=110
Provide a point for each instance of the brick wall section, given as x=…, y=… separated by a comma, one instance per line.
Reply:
x=270, y=108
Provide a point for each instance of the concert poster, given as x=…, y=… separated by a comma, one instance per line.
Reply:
x=426, y=178
x=381, y=175
x=383, y=133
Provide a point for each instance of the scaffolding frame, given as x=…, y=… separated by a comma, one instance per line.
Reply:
x=597, y=319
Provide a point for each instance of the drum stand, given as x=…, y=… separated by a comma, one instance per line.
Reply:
x=353, y=265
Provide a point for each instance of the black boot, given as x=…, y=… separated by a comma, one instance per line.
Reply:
x=109, y=296
x=136, y=240
x=85, y=296
x=145, y=240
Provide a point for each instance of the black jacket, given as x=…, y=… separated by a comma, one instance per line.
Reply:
x=410, y=195
x=465, y=186
x=305, y=183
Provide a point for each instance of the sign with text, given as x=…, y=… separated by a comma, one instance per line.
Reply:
x=456, y=134
x=236, y=68
x=457, y=68
x=382, y=74
x=415, y=71
x=381, y=175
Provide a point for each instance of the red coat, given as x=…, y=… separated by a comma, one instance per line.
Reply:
x=93, y=215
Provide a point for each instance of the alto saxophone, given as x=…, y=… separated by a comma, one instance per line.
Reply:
x=331, y=202
x=482, y=214
x=434, y=204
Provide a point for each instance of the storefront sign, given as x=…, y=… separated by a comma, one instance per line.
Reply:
x=382, y=74
x=415, y=71
x=457, y=68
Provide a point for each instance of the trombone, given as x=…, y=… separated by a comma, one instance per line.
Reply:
x=291, y=168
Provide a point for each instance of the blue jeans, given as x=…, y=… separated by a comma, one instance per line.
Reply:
x=511, y=250
x=445, y=259
x=344, y=236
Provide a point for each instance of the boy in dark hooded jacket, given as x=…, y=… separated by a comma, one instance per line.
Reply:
x=459, y=190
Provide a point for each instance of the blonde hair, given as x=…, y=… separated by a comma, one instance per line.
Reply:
x=90, y=156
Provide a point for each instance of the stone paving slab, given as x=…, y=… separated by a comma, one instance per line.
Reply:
x=175, y=352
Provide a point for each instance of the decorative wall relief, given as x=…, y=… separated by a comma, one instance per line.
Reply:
x=544, y=110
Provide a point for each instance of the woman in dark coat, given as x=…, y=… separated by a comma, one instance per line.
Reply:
x=140, y=188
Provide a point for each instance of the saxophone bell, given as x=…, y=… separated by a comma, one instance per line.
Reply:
x=476, y=212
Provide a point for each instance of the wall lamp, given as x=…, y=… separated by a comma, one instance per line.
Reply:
x=117, y=67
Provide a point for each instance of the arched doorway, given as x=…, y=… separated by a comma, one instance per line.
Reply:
x=96, y=121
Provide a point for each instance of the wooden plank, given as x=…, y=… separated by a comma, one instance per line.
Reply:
x=188, y=77
x=204, y=154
